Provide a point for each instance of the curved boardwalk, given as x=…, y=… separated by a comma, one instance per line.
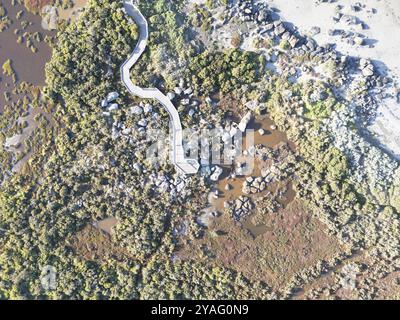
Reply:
x=184, y=165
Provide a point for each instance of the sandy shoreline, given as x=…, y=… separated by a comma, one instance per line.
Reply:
x=378, y=21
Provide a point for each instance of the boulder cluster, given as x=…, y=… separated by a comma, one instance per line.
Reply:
x=241, y=208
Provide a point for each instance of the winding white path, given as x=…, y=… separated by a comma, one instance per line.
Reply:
x=184, y=165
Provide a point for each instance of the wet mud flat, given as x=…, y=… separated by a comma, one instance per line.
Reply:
x=28, y=66
x=25, y=49
x=271, y=138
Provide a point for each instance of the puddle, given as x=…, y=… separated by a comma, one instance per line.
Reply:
x=28, y=66
x=271, y=138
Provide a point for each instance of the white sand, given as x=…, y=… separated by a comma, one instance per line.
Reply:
x=383, y=32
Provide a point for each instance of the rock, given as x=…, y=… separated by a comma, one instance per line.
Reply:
x=363, y=63
x=318, y=95
x=367, y=68
x=49, y=17
x=127, y=131
x=227, y=204
x=244, y=122
x=113, y=106
x=112, y=96
x=293, y=41
x=279, y=30
x=226, y=136
x=233, y=131
x=273, y=127
x=246, y=189
x=188, y=91
x=367, y=72
x=269, y=27
x=178, y=91
x=148, y=108
x=136, y=110
x=142, y=123
x=137, y=167
x=311, y=45
x=263, y=16
x=359, y=41
x=252, y=105
x=217, y=171
x=104, y=103
x=315, y=30
x=171, y=95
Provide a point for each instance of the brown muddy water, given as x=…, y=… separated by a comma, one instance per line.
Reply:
x=271, y=138
x=28, y=66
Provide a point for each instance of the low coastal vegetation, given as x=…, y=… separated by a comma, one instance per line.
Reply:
x=82, y=172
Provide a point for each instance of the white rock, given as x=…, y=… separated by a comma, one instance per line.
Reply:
x=228, y=187
x=359, y=41
x=104, y=103
x=127, y=131
x=178, y=91
x=226, y=136
x=142, y=122
x=113, y=106
x=244, y=122
x=216, y=174
x=233, y=131
x=137, y=167
x=136, y=110
x=171, y=95
x=148, y=108
x=188, y=91
x=112, y=96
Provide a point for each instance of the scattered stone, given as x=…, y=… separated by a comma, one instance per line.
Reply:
x=142, y=123
x=113, y=106
x=148, y=108
x=191, y=112
x=359, y=41
x=188, y=91
x=244, y=122
x=217, y=171
x=112, y=96
x=136, y=110
x=242, y=208
x=228, y=187
x=315, y=30
x=171, y=95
